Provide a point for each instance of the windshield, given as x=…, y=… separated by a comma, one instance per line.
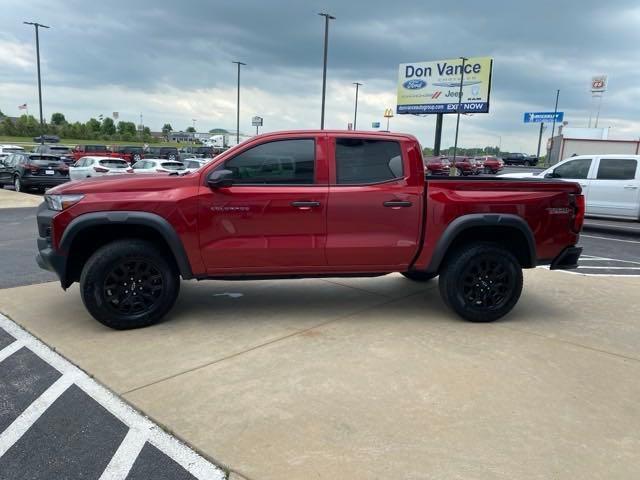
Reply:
x=172, y=165
x=114, y=163
x=59, y=149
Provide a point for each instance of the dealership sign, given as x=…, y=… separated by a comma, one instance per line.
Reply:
x=434, y=87
x=599, y=83
x=537, y=117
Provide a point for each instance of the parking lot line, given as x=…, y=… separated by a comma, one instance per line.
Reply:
x=144, y=430
x=607, y=268
x=34, y=411
x=10, y=349
x=124, y=458
x=612, y=239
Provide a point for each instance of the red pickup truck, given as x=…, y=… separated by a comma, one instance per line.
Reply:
x=305, y=204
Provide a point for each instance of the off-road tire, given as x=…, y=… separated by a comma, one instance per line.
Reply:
x=472, y=270
x=419, y=276
x=155, y=279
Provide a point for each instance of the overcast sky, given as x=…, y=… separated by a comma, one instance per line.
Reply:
x=171, y=61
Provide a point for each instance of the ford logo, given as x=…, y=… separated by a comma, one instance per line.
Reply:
x=415, y=84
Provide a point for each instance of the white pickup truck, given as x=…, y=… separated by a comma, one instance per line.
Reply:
x=610, y=183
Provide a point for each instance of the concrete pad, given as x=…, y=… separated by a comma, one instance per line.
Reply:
x=11, y=199
x=211, y=321
x=311, y=379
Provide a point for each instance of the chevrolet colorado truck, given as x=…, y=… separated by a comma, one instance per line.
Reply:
x=305, y=204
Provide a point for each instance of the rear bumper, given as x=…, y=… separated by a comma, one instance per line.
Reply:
x=567, y=259
x=41, y=181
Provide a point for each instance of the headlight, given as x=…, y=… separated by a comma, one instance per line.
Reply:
x=62, y=202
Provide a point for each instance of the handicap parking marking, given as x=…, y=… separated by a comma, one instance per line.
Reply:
x=140, y=442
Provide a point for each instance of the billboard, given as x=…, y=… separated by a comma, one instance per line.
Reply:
x=599, y=83
x=434, y=87
x=540, y=117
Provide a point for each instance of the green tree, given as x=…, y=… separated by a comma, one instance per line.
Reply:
x=166, y=129
x=58, y=119
x=27, y=126
x=108, y=127
x=190, y=130
x=7, y=127
x=93, y=126
x=127, y=130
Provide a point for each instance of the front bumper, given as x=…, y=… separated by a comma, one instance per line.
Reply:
x=47, y=258
x=567, y=259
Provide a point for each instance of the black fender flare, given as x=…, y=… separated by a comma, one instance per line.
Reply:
x=465, y=222
x=152, y=220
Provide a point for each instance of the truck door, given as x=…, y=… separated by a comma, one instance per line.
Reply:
x=614, y=190
x=374, y=213
x=576, y=170
x=273, y=216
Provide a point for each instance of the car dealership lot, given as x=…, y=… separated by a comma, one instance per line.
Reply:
x=358, y=378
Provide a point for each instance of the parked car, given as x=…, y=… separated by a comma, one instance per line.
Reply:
x=63, y=152
x=193, y=164
x=158, y=165
x=80, y=151
x=130, y=153
x=197, y=152
x=29, y=171
x=88, y=167
x=438, y=165
x=468, y=166
x=520, y=159
x=610, y=183
x=169, y=153
x=490, y=164
x=6, y=150
x=46, y=139
x=265, y=209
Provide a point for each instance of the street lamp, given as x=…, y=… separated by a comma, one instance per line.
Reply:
x=553, y=129
x=37, y=26
x=355, y=113
x=327, y=17
x=455, y=144
x=238, y=107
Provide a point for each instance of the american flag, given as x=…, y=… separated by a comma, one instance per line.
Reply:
x=22, y=107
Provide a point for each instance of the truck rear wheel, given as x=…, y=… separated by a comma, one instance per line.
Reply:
x=129, y=284
x=481, y=282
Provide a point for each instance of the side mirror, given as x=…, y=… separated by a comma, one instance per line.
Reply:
x=550, y=175
x=220, y=179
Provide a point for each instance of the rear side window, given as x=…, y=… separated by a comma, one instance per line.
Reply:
x=617, y=169
x=362, y=161
x=172, y=165
x=577, y=169
x=280, y=162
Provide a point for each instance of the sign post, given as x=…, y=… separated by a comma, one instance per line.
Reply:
x=598, y=87
x=540, y=140
x=257, y=122
x=388, y=113
x=541, y=117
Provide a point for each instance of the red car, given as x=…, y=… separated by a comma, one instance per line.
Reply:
x=437, y=165
x=80, y=151
x=314, y=203
x=468, y=166
x=490, y=164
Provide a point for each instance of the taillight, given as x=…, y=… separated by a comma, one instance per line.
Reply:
x=100, y=169
x=64, y=167
x=129, y=170
x=32, y=168
x=579, y=206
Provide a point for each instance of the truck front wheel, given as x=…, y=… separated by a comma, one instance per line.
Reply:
x=481, y=282
x=129, y=284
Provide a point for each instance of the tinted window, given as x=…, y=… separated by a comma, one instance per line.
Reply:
x=573, y=169
x=286, y=161
x=617, y=169
x=95, y=148
x=173, y=165
x=114, y=163
x=361, y=161
x=59, y=149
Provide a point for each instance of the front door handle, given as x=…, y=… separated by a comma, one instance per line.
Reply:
x=305, y=205
x=397, y=203
x=630, y=187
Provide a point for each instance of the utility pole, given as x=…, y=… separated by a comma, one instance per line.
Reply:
x=540, y=140
x=455, y=145
x=438, y=139
x=355, y=113
x=553, y=129
x=37, y=26
x=327, y=17
x=238, y=106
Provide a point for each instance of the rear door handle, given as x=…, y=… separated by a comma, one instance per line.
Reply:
x=305, y=205
x=397, y=203
x=631, y=187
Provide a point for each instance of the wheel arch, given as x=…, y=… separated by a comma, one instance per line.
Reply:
x=91, y=230
x=508, y=230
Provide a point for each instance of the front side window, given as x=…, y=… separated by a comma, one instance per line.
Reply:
x=617, y=169
x=577, y=169
x=289, y=162
x=363, y=161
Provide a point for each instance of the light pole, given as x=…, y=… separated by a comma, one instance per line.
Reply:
x=238, y=107
x=37, y=26
x=553, y=128
x=355, y=112
x=455, y=144
x=327, y=17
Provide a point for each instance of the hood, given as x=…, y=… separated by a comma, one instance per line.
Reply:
x=126, y=183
